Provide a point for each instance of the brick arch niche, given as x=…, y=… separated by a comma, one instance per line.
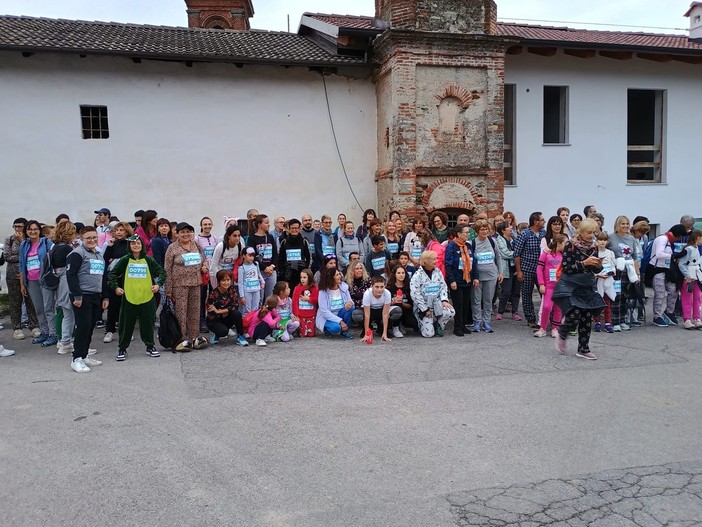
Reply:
x=216, y=22
x=451, y=193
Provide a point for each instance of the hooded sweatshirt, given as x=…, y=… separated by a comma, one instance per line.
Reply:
x=138, y=277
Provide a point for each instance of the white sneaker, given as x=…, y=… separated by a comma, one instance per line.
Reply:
x=18, y=335
x=396, y=333
x=554, y=333
x=689, y=324
x=698, y=323
x=231, y=333
x=625, y=327
x=79, y=366
x=260, y=342
x=5, y=352
x=65, y=348
x=36, y=332
x=88, y=361
x=269, y=339
x=108, y=337
x=92, y=351
x=540, y=333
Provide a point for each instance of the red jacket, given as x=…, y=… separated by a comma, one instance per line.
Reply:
x=440, y=251
x=312, y=299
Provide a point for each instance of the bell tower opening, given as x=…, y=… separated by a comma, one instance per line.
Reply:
x=220, y=14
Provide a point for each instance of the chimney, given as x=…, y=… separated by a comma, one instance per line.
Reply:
x=220, y=14
x=445, y=16
x=695, y=14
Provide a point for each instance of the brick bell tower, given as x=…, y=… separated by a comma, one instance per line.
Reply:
x=220, y=14
x=440, y=90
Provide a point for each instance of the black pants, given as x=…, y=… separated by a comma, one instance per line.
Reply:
x=581, y=319
x=204, y=292
x=462, y=304
x=129, y=314
x=510, y=292
x=86, y=316
x=409, y=320
x=221, y=325
x=262, y=331
x=527, y=288
x=113, y=312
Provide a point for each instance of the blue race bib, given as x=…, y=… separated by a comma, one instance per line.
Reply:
x=97, y=266
x=136, y=270
x=209, y=251
x=192, y=259
x=378, y=263
x=33, y=263
x=294, y=255
x=327, y=250
x=393, y=247
x=432, y=289
x=485, y=258
x=336, y=304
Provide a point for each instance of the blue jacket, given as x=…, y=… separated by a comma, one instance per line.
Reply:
x=452, y=259
x=44, y=245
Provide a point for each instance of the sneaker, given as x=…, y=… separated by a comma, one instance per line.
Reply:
x=459, y=332
x=608, y=328
x=561, y=344
x=231, y=333
x=347, y=335
x=89, y=361
x=515, y=316
x=573, y=333
x=533, y=324
x=327, y=334
x=540, y=333
x=92, y=351
x=396, y=333
x=487, y=327
x=78, y=366
x=498, y=316
x=261, y=342
x=108, y=337
x=241, y=341
x=41, y=338
x=475, y=328
x=36, y=332
x=186, y=345
x=586, y=354
x=18, y=335
x=698, y=323
x=51, y=341
x=689, y=324
x=64, y=348
x=151, y=351
x=616, y=329
x=672, y=319
x=635, y=324
x=100, y=324
x=121, y=355
x=554, y=333
x=214, y=339
x=5, y=352
x=439, y=331
x=625, y=327
x=269, y=338
x=200, y=343
x=658, y=321
x=204, y=328
x=598, y=327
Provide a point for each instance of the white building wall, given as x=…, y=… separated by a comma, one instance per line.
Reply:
x=212, y=140
x=592, y=168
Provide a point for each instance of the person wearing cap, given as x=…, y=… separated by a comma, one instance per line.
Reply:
x=250, y=282
x=184, y=264
x=136, y=277
x=102, y=224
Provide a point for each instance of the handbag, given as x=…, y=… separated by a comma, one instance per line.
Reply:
x=49, y=280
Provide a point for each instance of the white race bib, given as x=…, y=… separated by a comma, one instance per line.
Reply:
x=265, y=250
x=192, y=259
x=617, y=286
x=97, y=266
x=228, y=264
x=294, y=255
x=485, y=258
x=327, y=250
x=312, y=248
x=393, y=247
x=136, y=270
x=378, y=263
x=432, y=289
x=606, y=269
x=460, y=264
x=552, y=275
x=304, y=303
x=209, y=251
x=33, y=263
x=416, y=253
x=252, y=285
x=336, y=303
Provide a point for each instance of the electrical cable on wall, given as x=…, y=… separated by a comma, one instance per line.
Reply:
x=336, y=142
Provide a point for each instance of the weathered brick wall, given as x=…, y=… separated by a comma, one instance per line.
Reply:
x=440, y=121
x=451, y=16
x=227, y=14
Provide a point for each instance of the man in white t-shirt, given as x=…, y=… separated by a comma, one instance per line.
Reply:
x=376, y=308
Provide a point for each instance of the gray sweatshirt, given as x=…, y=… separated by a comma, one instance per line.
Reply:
x=85, y=272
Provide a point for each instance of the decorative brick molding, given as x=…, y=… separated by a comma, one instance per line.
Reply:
x=455, y=193
x=464, y=96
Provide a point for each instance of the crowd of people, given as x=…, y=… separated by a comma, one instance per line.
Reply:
x=303, y=278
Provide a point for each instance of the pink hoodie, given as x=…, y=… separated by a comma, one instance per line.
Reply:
x=547, y=269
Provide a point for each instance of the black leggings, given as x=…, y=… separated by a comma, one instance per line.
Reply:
x=462, y=304
x=262, y=331
x=581, y=319
x=221, y=325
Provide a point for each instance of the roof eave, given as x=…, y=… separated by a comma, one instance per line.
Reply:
x=609, y=47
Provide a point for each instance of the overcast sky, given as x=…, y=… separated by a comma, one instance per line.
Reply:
x=272, y=14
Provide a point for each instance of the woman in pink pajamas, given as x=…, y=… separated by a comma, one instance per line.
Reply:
x=547, y=274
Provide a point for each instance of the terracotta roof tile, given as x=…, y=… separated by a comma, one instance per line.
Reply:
x=178, y=43
x=558, y=36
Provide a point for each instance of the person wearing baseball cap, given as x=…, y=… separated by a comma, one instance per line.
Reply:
x=102, y=224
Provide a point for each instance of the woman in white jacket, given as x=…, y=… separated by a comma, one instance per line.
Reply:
x=430, y=296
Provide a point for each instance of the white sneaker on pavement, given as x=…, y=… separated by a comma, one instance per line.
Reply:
x=18, y=335
x=260, y=342
x=64, y=348
x=36, y=332
x=396, y=333
x=89, y=361
x=92, y=351
x=78, y=366
x=108, y=337
x=5, y=352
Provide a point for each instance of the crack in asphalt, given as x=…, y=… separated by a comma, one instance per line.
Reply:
x=663, y=495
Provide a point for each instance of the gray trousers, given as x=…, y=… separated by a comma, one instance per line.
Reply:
x=253, y=301
x=664, y=293
x=482, y=300
x=44, y=305
x=270, y=283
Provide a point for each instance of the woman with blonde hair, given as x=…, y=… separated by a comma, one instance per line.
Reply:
x=64, y=235
x=359, y=282
x=430, y=296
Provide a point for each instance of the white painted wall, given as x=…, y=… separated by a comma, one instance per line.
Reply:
x=188, y=142
x=592, y=170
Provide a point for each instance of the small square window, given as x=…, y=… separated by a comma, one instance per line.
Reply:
x=94, y=122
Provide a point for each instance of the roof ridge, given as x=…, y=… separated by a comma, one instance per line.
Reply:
x=574, y=29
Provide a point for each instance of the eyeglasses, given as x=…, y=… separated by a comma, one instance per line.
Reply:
x=20, y=226
x=33, y=230
x=86, y=238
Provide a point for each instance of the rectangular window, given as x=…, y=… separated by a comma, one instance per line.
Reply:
x=645, y=111
x=94, y=122
x=555, y=115
x=510, y=118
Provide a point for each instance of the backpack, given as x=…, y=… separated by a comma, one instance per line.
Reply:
x=474, y=258
x=169, y=334
x=646, y=258
x=248, y=320
x=49, y=280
